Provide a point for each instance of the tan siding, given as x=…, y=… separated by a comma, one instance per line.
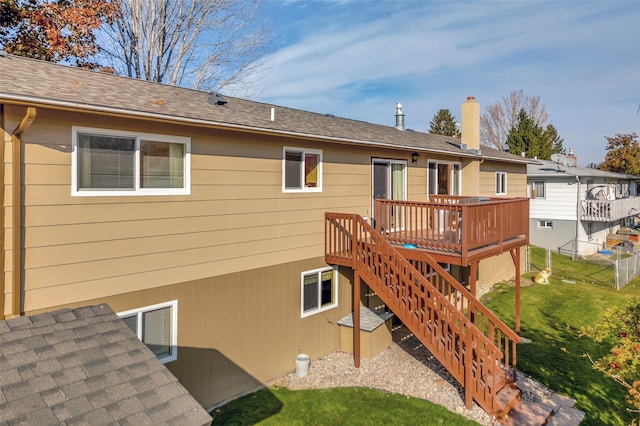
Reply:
x=241, y=330
x=516, y=178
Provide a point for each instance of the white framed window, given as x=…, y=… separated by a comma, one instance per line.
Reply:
x=157, y=327
x=301, y=170
x=538, y=189
x=545, y=224
x=113, y=162
x=501, y=183
x=319, y=290
x=444, y=178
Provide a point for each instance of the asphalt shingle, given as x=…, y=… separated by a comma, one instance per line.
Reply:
x=59, y=368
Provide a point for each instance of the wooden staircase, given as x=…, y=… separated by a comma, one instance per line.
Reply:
x=476, y=347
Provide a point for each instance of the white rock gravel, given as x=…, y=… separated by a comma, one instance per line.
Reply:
x=405, y=368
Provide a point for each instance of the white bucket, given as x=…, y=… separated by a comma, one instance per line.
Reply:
x=302, y=365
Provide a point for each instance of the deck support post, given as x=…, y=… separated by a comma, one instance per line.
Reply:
x=356, y=319
x=473, y=273
x=515, y=255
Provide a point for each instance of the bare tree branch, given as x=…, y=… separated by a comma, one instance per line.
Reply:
x=499, y=118
x=204, y=44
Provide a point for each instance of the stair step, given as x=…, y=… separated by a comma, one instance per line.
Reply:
x=508, y=397
x=528, y=413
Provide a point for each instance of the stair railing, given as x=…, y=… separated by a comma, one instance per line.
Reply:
x=470, y=355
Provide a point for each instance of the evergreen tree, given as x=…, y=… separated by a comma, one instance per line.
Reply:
x=528, y=137
x=443, y=123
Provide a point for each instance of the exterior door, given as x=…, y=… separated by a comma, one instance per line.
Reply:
x=389, y=182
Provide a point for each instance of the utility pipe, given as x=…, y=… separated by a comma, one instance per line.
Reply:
x=16, y=210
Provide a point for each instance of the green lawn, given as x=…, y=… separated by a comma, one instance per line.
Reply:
x=347, y=406
x=551, y=316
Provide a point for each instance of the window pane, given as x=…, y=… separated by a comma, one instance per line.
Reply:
x=311, y=170
x=292, y=168
x=132, y=322
x=538, y=189
x=310, y=292
x=156, y=333
x=105, y=162
x=326, y=289
x=161, y=165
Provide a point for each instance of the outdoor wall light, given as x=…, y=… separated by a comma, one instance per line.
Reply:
x=414, y=157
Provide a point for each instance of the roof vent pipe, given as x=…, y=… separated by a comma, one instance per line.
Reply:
x=273, y=114
x=399, y=117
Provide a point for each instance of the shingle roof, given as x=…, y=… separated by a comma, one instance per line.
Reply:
x=86, y=366
x=546, y=168
x=43, y=83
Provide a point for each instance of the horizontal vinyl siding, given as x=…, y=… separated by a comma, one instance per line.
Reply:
x=516, y=179
x=236, y=217
x=559, y=202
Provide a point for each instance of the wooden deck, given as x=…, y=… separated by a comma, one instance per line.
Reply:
x=457, y=230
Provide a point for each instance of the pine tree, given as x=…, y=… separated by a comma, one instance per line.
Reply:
x=528, y=137
x=443, y=123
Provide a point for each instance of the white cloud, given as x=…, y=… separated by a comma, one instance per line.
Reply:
x=356, y=59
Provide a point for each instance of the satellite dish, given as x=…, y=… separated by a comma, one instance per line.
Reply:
x=569, y=161
x=558, y=158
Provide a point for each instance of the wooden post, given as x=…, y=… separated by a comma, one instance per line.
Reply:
x=515, y=255
x=356, y=318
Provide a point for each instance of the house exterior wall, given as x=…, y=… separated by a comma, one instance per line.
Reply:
x=231, y=252
x=516, y=178
x=240, y=330
x=559, y=236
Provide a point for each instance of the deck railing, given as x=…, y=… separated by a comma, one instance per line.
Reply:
x=452, y=223
x=476, y=347
x=609, y=210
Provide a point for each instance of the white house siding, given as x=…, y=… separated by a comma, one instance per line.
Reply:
x=560, y=201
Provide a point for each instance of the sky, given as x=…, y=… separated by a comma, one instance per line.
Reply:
x=357, y=59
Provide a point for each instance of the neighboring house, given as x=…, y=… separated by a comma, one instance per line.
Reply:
x=200, y=219
x=574, y=209
x=85, y=366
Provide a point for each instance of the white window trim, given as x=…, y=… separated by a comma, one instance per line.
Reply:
x=174, y=325
x=542, y=224
x=459, y=188
x=533, y=186
x=186, y=141
x=304, y=151
x=318, y=271
x=504, y=190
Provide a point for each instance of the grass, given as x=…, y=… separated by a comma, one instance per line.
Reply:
x=348, y=406
x=551, y=316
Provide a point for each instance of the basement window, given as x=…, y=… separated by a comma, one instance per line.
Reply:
x=157, y=327
x=111, y=162
x=301, y=170
x=545, y=224
x=319, y=290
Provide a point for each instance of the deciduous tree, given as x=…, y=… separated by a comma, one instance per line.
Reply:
x=205, y=44
x=620, y=328
x=499, y=118
x=55, y=30
x=444, y=123
x=623, y=154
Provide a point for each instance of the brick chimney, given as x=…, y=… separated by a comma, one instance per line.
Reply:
x=470, y=132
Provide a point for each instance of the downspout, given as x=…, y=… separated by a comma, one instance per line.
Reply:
x=575, y=245
x=5, y=138
x=16, y=210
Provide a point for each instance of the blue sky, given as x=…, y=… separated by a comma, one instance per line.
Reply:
x=356, y=59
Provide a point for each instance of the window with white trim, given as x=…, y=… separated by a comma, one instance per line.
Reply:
x=501, y=183
x=301, y=170
x=157, y=327
x=113, y=162
x=319, y=290
x=538, y=189
x=545, y=224
x=444, y=178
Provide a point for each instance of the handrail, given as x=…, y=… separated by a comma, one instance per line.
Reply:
x=453, y=223
x=475, y=359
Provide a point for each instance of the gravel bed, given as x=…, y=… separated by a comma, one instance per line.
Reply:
x=405, y=368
